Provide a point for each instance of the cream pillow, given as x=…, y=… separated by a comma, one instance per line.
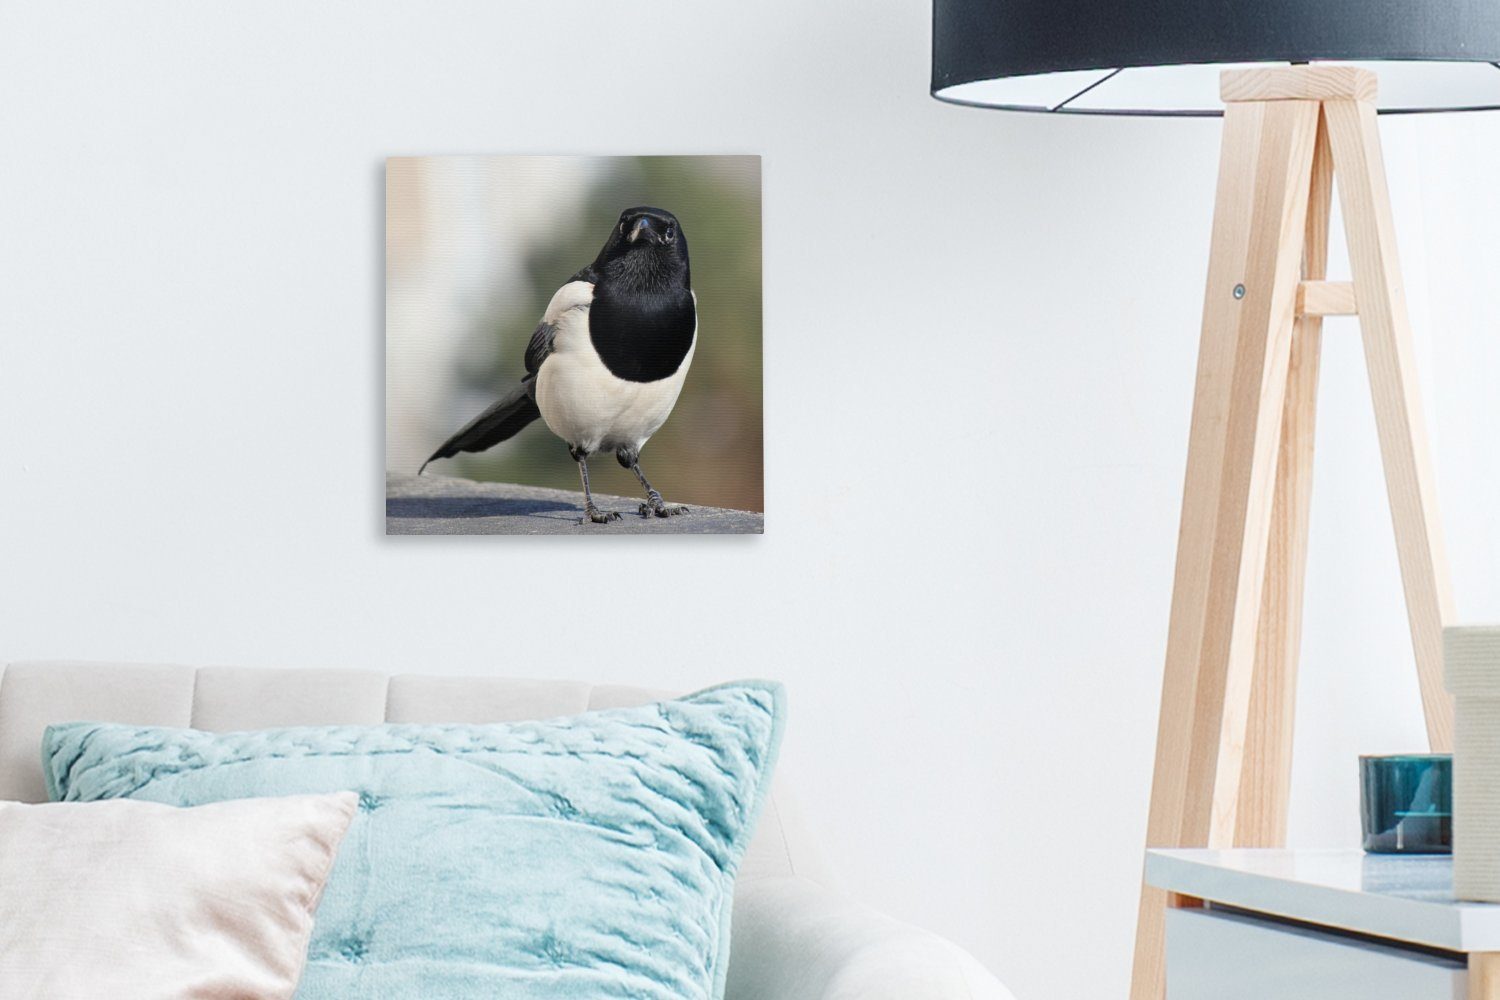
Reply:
x=141, y=900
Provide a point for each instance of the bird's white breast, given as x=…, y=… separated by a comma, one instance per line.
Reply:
x=581, y=400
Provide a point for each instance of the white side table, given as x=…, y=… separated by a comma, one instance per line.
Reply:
x=1322, y=925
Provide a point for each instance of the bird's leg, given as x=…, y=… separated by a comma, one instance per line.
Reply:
x=590, y=512
x=654, y=503
x=631, y=459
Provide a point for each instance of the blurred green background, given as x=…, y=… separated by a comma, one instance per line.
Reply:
x=476, y=246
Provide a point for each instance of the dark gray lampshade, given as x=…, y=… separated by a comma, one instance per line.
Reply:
x=1164, y=57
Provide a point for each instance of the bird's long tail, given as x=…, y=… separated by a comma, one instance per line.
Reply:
x=512, y=412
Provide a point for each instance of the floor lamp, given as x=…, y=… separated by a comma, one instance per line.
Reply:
x=1295, y=83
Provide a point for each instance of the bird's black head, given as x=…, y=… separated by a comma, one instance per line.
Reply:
x=646, y=250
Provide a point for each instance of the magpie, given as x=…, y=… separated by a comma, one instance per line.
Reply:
x=605, y=366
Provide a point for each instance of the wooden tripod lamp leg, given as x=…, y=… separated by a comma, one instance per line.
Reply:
x=1244, y=358
x=1265, y=781
x=1398, y=406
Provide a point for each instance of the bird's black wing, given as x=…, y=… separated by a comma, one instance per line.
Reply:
x=508, y=415
x=540, y=346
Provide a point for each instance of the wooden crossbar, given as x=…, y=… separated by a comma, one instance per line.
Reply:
x=1326, y=298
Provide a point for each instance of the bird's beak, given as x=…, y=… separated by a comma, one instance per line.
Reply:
x=644, y=228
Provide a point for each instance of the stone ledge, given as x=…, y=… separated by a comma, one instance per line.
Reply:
x=443, y=505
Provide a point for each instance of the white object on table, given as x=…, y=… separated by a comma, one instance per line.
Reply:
x=1471, y=660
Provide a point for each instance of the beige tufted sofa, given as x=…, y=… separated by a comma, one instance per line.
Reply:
x=792, y=938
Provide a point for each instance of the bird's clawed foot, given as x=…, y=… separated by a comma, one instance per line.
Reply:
x=654, y=505
x=592, y=514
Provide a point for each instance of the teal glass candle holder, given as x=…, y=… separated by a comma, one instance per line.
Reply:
x=1406, y=803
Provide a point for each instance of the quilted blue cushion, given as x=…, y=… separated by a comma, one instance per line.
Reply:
x=579, y=858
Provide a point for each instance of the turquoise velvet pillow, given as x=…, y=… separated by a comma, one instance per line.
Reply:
x=578, y=858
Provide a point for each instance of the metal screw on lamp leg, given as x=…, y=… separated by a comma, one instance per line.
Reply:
x=1239, y=291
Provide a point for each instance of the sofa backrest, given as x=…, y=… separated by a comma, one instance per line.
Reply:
x=223, y=699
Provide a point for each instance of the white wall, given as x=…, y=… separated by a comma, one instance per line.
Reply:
x=980, y=334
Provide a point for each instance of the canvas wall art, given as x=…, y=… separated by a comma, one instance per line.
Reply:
x=573, y=345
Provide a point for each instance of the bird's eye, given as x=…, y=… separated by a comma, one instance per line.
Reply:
x=622, y=225
x=671, y=233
